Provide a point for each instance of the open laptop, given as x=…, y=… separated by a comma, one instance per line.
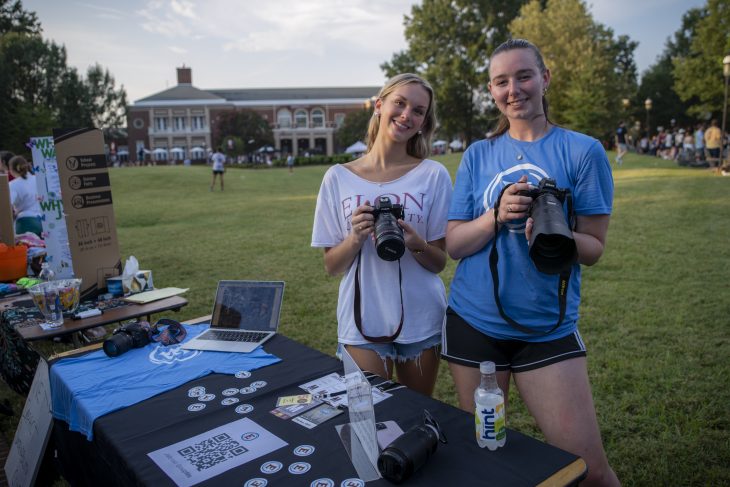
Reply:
x=245, y=315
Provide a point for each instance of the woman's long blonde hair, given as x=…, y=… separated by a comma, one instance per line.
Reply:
x=420, y=144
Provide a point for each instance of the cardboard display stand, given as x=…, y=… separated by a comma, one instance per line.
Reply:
x=7, y=229
x=87, y=204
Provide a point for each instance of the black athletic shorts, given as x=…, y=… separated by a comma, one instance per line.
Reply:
x=464, y=345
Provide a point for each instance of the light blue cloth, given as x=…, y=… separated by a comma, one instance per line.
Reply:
x=87, y=387
x=575, y=161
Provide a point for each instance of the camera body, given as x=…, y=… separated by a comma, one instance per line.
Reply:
x=389, y=242
x=128, y=336
x=552, y=247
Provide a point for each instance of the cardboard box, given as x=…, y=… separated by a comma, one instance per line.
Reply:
x=87, y=203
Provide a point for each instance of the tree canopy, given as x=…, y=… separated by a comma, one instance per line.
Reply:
x=248, y=129
x=39, y=91
x=353, y=129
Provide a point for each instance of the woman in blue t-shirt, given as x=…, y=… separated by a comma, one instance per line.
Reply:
x=525, y=328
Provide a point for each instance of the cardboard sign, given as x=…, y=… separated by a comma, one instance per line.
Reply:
x=87, y=203
x=7, y=228
x=48, y=187
x=34, y=428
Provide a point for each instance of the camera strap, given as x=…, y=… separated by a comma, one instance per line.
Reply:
x=494, y=259
x=173, y=334
x=357, y=307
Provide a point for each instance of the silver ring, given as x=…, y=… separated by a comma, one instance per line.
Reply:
x=509, y=208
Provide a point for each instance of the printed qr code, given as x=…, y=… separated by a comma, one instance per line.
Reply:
x=211, y=452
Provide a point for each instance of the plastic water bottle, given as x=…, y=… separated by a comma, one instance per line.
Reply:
x=46, y=273
x=489, y=415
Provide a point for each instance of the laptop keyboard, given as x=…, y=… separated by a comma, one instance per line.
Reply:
x=234, y=336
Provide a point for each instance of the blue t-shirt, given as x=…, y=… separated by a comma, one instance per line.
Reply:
x=575, y=161
x=87, y=387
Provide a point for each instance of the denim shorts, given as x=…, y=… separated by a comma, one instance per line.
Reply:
x=398, y=352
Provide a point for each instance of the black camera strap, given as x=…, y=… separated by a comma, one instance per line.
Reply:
x=357, y=308
x=494, y=259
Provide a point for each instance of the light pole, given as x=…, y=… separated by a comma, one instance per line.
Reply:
x=647, y=105
x=726, y=74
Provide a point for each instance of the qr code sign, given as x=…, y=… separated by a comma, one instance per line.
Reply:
x=212, y=451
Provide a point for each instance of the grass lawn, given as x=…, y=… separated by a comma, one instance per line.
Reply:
x=654, y=313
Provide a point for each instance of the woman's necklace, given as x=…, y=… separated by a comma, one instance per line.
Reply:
x=522, y=151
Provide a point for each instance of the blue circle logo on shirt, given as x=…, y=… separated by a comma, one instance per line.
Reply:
x=162, y=354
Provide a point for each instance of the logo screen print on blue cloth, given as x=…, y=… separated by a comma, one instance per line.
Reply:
x=77, y=383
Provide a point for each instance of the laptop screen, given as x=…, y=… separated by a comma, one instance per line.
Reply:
x=248, y=305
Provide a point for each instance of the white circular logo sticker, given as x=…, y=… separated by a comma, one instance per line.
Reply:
x=230, y=392
x=259, y=384
x=243, y=374
x=247, y=390
x=303, y=450
x=244, y=408
x=196, y=391
x=323, y=482
x=352, y=483
x=198, y=406
x=299, y=468
x=206, y=397
x=229, y=400
x=271, y=467
x=257, y=482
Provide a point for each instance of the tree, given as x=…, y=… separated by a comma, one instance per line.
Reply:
x=254, y=132
x=449, y=43
x=657, y=82
x=698, y=74
x=14, y=19
x=353, y=129
x=39, y=91
x=592, y=71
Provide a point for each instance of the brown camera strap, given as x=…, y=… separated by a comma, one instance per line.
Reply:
x=358, y=312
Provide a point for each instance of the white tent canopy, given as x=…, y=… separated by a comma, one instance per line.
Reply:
x=439, y=143
x=356, y=148
x=455, y=144
x=159, y=151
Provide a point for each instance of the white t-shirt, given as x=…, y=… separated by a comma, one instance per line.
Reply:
x=23, y=196
x=425, y=193
x=218, y=161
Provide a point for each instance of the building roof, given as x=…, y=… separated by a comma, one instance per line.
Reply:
x=181, y=92
x=262, y=94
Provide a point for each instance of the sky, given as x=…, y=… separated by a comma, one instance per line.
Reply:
x=277, y=43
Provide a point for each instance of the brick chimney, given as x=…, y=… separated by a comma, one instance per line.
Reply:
x=184, y=76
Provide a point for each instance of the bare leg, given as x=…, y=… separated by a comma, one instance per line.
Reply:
x=221, y=181
x=420, y=374
x=466, y=380
x=371, y=361
x=212, y=184
x=559, y=398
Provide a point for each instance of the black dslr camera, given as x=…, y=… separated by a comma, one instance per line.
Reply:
x=389, y=241
x=128, y=336
x=552, y=247
x=411, y=450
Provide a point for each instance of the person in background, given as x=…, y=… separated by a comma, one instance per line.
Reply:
x=713, y=139
x=5, y=157
x=700, y=142
x=620, y=143
x=545, y=354
x=24, y=197
x=390, y=314
x=219, y=160
x=290, y=162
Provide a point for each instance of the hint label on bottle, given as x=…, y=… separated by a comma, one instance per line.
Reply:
x=491, y=423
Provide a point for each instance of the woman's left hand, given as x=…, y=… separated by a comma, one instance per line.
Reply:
x=413, y=241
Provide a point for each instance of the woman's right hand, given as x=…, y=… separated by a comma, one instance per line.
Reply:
x=513, y=206
x=362, y=222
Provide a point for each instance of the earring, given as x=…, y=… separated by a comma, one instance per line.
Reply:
x=377, y=114
x=420, y=132
x=544, y=91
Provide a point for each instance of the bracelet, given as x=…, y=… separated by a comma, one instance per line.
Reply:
x=419, y=251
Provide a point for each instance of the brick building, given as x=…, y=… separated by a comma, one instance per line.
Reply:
x=180, y=122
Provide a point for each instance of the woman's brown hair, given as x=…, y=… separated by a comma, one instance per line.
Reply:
x=20, y=166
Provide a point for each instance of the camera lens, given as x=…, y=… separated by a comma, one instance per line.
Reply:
x=552, y=247
x=118, y=344
x=389, y=241
x=408, y=453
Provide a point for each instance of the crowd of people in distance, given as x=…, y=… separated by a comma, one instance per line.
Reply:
x=698, y=146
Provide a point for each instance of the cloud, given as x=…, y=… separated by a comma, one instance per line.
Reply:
x=178, y=50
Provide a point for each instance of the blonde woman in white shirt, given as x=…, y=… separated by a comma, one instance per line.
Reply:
x=390, y=313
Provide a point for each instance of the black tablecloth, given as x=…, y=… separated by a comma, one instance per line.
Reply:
x=118, y=454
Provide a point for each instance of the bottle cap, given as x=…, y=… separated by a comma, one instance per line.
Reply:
x=487, y=367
